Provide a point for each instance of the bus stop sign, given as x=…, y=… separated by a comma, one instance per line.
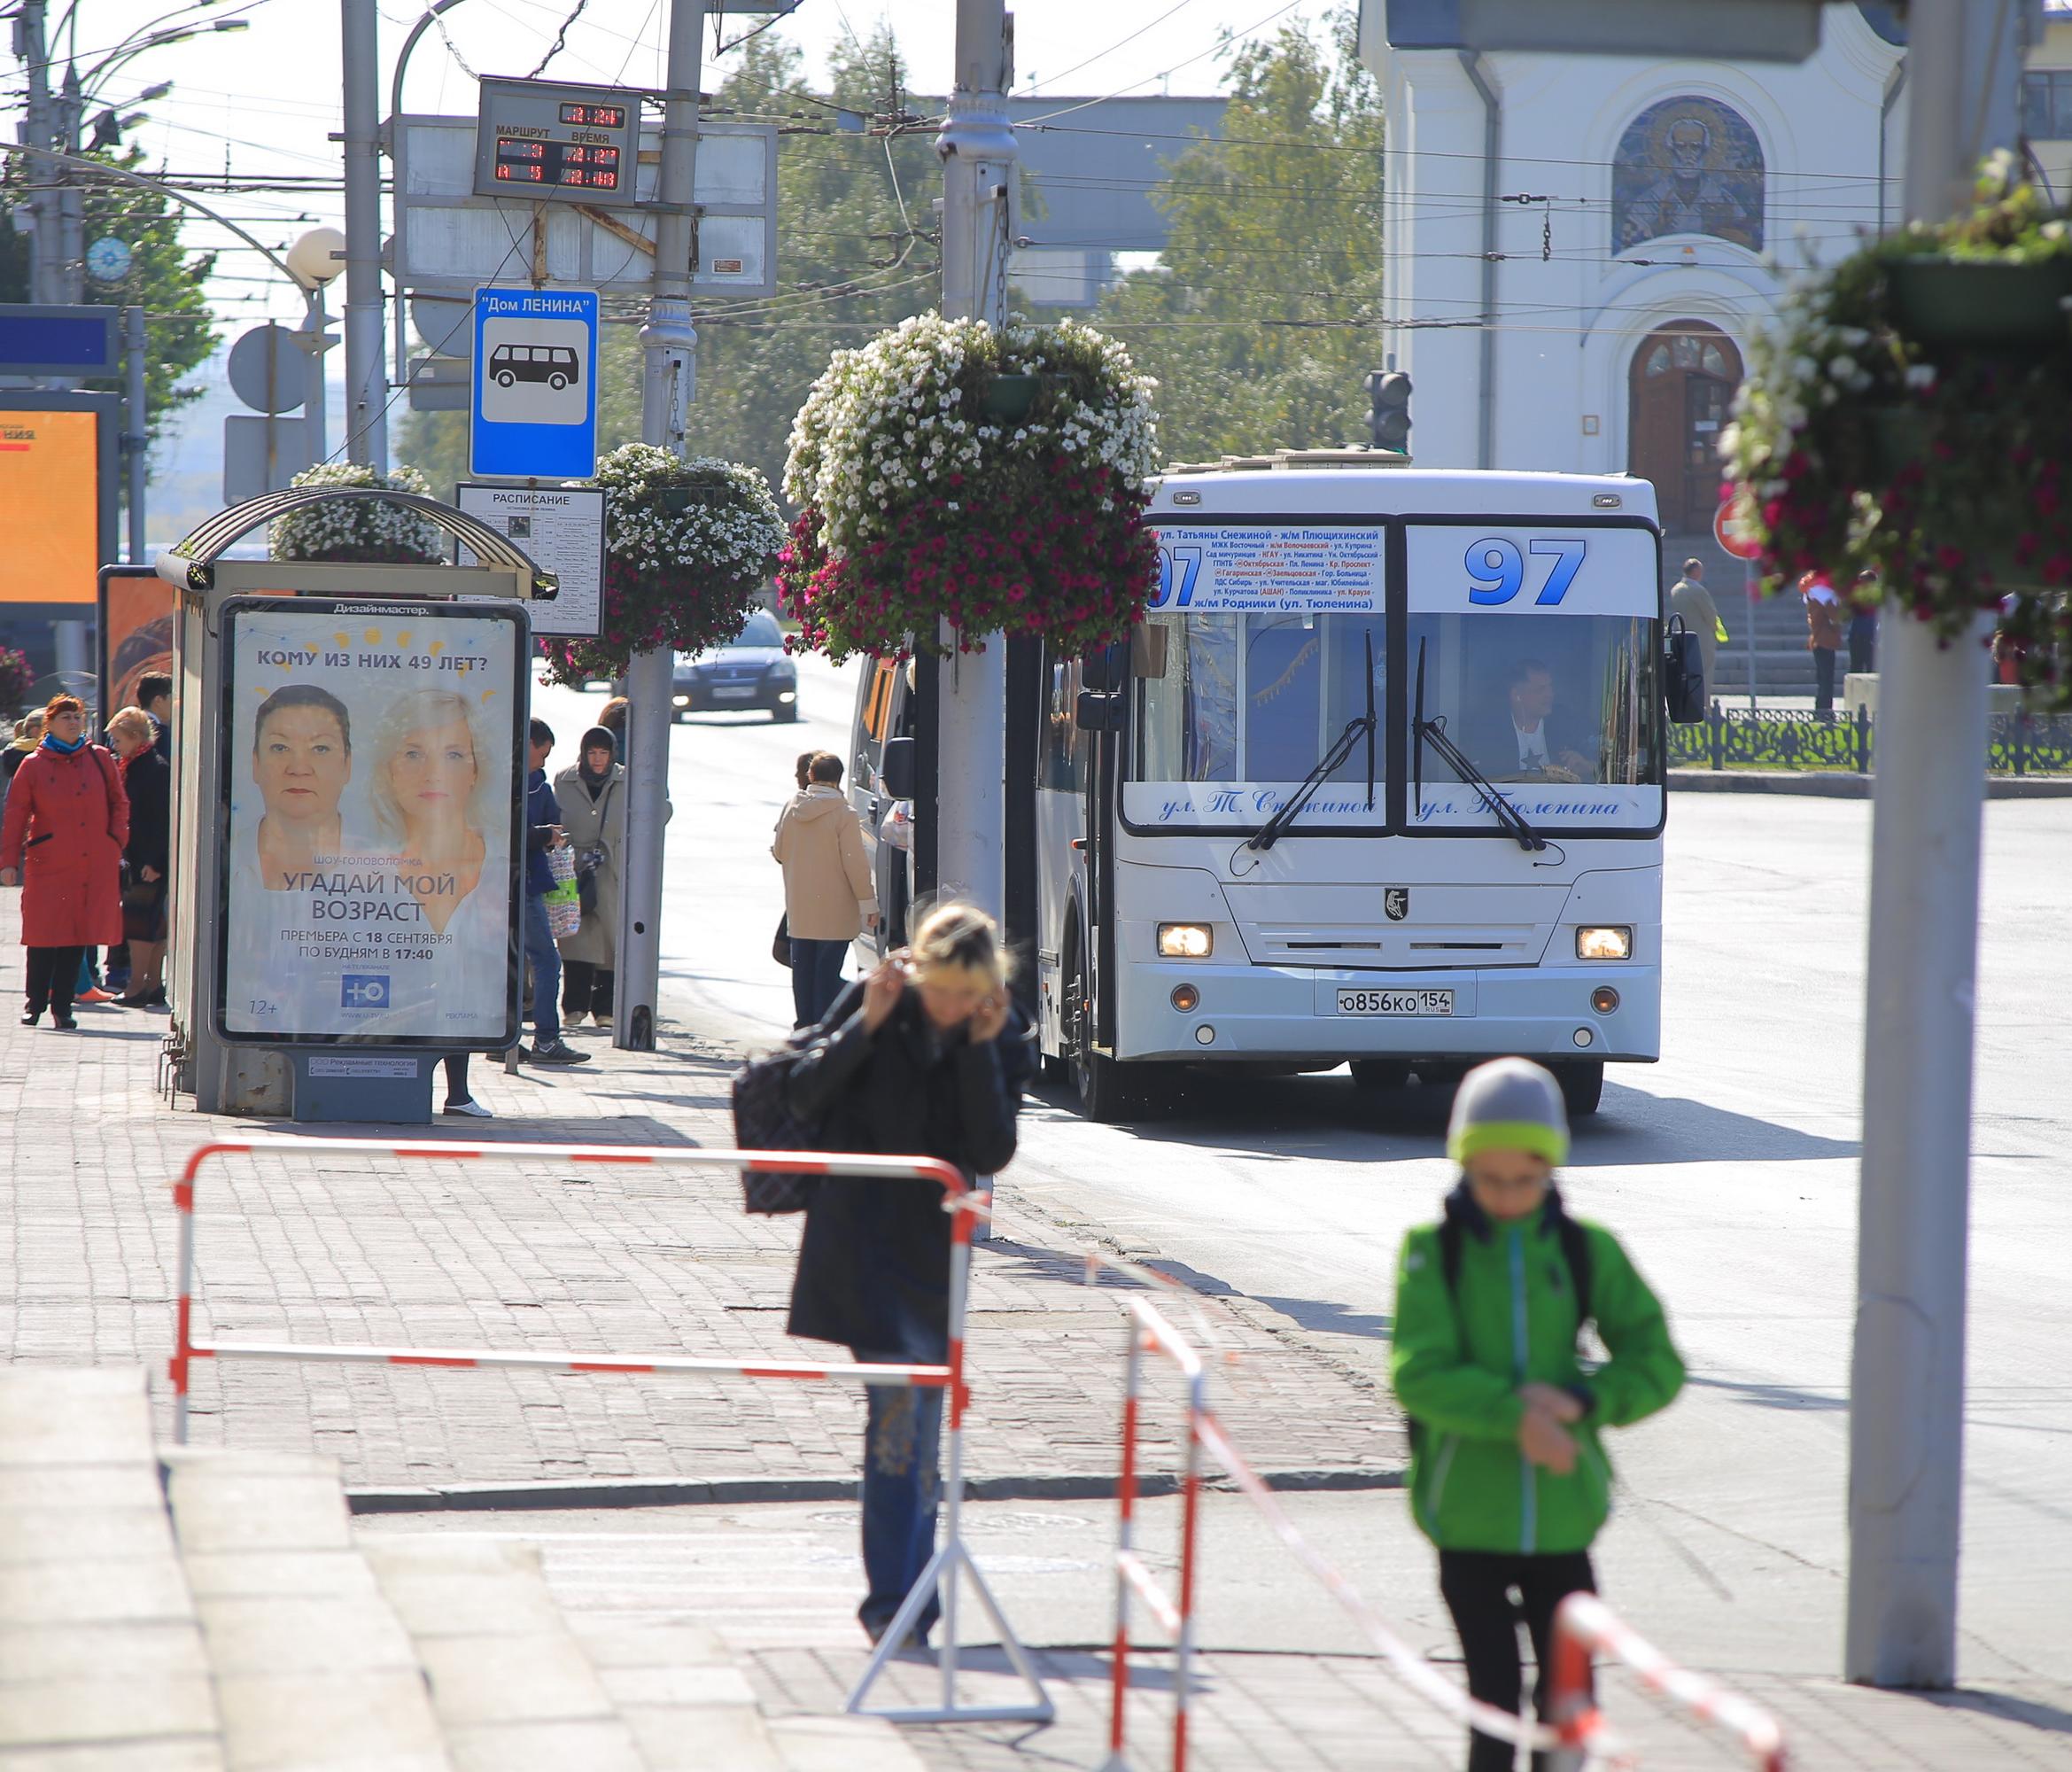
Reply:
x=534, y=411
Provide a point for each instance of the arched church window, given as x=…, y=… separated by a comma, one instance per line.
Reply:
x=1687, y=165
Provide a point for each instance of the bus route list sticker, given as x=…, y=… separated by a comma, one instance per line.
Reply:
x=534, y=411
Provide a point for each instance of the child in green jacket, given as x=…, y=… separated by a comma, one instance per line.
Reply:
x=1507, y=1476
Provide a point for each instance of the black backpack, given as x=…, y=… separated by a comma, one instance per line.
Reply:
x=1575, y=1248
x=764, y=1120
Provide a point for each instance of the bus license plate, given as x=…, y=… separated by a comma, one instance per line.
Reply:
x=1395, y=1002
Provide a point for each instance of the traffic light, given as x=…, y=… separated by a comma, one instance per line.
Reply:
x=1388, y=423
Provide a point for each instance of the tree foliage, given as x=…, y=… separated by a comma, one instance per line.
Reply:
x=166, y=278
x=1261, y=317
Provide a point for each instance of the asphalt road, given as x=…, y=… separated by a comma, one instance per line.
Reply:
x=1730, y=1170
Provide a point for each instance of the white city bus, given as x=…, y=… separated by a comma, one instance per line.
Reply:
x=1380, y=779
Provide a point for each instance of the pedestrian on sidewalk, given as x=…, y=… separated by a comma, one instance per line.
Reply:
x=28, y=730
x=69, y=819
x=612, y=718
x=591, y=796
x=1690, y=598
x=543, y=833
x=147, y=858
x=926, y=1057
x=828, y=898
x=154, y=695
x=1825, y=621
x=1506, y=1474
x=1863, y=625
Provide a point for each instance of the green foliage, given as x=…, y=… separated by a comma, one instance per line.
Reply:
x=165, y=278
x=1275, y=245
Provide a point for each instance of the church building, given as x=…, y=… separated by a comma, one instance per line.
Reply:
x=1580, y=246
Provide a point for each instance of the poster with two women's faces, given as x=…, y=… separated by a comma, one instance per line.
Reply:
x=372, y=801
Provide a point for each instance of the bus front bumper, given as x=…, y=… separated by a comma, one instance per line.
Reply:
x=1292, y=1013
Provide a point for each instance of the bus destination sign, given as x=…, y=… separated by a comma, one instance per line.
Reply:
x=556, y=143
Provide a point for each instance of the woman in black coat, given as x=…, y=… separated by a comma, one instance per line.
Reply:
x=926, y=1057
x=147, y=778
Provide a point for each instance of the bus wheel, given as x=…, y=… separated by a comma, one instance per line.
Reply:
x=1380, y=1073
x=1582, y=1085
x=1096, y=1080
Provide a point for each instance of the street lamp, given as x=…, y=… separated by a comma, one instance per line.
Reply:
x=315, y=261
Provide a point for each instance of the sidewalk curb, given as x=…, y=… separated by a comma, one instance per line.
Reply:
x=640, y=1492
x=1847, y=785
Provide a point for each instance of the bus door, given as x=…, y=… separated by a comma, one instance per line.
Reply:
x=1101, y=710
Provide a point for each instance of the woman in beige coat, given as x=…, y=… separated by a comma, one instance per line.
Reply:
x=828, y=898
x=593, y=798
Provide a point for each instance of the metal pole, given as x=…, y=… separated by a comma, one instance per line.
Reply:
x=71, y=271
x=1906, y=1381
x=978, y=153
x=135, y=436
x=366, y=389
x=36, y=132
x=669, y=349
x=315, y=326
x=1748, y=618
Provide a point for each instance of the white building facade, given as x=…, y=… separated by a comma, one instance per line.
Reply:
x=1580, y=246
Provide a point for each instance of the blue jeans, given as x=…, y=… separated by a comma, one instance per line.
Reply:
x=545, y=958
x=816, y=978
x=902, y=1485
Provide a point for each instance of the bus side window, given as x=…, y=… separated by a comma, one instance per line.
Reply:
x=1062, y=757
x=877, y=707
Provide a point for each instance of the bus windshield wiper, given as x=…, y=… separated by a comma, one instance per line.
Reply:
x=1432, y=732
x=1269, y=832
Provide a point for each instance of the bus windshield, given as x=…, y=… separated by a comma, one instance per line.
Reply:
x=1535, y=653
x=1249, y=703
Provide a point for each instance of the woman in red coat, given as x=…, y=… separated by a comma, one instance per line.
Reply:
x=67, y=814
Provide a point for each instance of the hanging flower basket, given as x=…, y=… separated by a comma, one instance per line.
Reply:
x=991, y=478
x=1980, y=304
x=1910, y=417
x=359, y=530
x=687, y=547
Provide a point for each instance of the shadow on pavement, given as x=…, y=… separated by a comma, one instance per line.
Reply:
x=626, y=1129
x=2052, y=1719
x=1282, y=1118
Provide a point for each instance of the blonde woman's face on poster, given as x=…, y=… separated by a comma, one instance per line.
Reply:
x=433, y=773
x=302, y=765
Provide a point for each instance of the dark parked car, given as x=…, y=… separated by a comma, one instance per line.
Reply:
x=751, y=670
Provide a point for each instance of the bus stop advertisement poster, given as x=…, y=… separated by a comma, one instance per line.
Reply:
x=372, y=805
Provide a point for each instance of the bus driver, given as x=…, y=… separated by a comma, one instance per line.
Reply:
x=1531, y=744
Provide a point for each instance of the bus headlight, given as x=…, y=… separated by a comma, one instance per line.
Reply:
x=1609, y=943
x=1185, y=941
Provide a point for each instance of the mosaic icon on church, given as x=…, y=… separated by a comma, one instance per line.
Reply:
x=1687, y=165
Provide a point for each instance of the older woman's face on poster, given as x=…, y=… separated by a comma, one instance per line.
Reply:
x=432, y=773
x=301, y=763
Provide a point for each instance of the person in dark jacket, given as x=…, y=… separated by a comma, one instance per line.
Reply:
x=147, y=858
x=927, y=1056
x=1509, y=1475
x=154, y=695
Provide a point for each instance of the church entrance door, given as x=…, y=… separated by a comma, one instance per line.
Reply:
x=1682, y=383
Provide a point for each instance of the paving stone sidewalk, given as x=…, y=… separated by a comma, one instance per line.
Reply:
x=524, y=1255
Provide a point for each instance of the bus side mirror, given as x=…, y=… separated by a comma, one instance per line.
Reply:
x=895, y=768
x=1097, y=712
x=1683, y=675
x=1148, y=649
x=1103, y=669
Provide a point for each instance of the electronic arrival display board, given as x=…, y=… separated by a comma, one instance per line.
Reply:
x=555, y=142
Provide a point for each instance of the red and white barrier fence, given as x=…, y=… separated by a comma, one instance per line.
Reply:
x=1584, y=1626
x=951, y=1558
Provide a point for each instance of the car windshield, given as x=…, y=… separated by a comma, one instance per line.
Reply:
x=761, y=631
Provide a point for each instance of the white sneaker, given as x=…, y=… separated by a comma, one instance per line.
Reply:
x=472, y=1110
